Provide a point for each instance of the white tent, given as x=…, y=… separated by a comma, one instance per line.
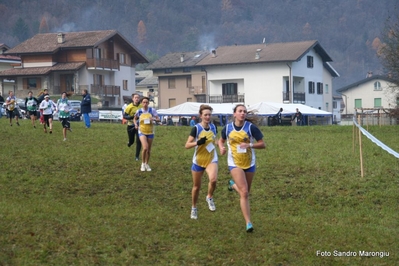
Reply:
x=271, y=109
x=192, y=109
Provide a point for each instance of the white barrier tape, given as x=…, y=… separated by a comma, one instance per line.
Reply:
x=376, y=141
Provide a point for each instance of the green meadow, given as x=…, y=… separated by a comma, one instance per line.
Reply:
x=85, y=202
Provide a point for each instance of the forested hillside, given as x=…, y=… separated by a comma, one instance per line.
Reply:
x=349, y=30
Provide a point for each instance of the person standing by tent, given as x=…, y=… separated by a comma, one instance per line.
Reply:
x=203, y=138
x=132, y=132
x=240, y=135
x=278, y=116
x=298, y=115
x=85, y=107
x=146, y=117
x=31, y=104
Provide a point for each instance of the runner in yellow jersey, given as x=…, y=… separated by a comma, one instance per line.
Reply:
x=146, y=117
x=132, y=132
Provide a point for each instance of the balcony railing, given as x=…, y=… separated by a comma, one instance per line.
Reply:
x=196, y=90
x=105, y=90
x=299, y=97
x=102, y=63
x=235, y=98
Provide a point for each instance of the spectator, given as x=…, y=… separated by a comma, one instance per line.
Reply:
x=192, y=121
x=85, y=107
x=298, y=116
x=279, y=117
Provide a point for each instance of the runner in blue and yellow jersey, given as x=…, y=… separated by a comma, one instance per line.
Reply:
x=146, y=117
x=240, y=136
x=12, y=109
x=203, y=138
x=132, y=132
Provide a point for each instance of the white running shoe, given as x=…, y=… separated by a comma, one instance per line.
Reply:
x=211, y=204
x=148, y=168
x=194, y=214
x=142, y=168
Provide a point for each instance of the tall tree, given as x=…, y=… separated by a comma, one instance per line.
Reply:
x=43, y=28
x=21, y=30
x=389, y=50
x=141, y=32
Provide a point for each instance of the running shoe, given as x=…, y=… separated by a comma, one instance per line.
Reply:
x=194, y=214
x=250, y=228
x=211, y=204
x=64, y=139
x=18, y=123
x=231, y=183
x=147, y=167
x=137, y=158
x=142, y=168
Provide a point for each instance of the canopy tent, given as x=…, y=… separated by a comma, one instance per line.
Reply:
x=222, y=110
x=271, y=109
x=192, y=109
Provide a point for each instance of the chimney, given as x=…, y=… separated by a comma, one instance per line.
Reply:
x=213, y=53
x=60, y=37
x=182, y=58
x=369, y=74
x=257, y=55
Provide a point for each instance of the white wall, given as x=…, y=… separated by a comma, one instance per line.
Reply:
x=259, y=82
x=367, y=94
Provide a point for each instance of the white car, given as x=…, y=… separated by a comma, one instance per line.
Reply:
x=75, y=107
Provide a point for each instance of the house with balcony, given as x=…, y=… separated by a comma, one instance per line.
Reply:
x=7, y=62
x=372, y=92
x=179, y=79
x=103, y=62
x=147, y=85
x=294, y=72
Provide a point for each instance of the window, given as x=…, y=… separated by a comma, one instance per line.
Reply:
x=327, y=106
x=122, y=59
x=186, y=69
x=188, y=82
x=335, y=106
x=97, y=53
x=311, y=87
x=326, y=88
x=310, y=61
x=98, y=79
x=377, y=102
x=171, y=83
x=125, y=85
x=229, y=88
x=172, y=102
x=168, y=70
x=319, y=88
x=189, y=99
x=358, y=103
x=377, y=86
x=32, y=83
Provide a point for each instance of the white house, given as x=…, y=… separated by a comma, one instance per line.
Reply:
x=296, y=72
x=372, y=92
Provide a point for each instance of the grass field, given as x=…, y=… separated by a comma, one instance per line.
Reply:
x=85, y=202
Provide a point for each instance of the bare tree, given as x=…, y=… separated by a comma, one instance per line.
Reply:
x=388, y=51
